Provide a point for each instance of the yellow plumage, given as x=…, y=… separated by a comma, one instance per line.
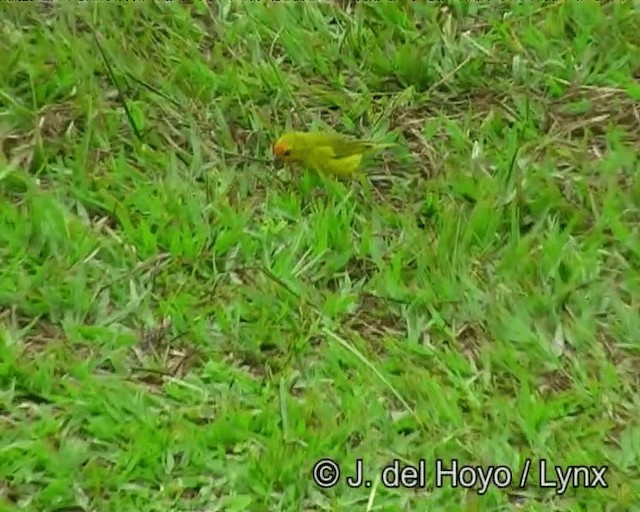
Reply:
x=328, y=153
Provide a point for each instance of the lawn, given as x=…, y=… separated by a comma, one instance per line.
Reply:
x=186, y=326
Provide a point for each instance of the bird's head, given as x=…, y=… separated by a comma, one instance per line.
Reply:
x=285, y=148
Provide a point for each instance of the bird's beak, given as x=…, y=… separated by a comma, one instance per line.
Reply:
x=277, y=160
x=279, y=163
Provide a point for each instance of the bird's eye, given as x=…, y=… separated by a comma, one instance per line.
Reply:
x=286, y=153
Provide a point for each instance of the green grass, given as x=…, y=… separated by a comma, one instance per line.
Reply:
x=186, y=327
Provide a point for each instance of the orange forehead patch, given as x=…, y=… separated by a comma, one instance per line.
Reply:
x=280, y=148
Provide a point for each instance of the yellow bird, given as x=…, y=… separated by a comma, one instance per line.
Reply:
x=328, y=153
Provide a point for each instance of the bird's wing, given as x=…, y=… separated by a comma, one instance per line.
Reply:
x=340, y=145
x=320, y=157
x=344, y=147
x=324, y=159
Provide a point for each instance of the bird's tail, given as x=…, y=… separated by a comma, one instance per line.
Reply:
x=379, y=146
